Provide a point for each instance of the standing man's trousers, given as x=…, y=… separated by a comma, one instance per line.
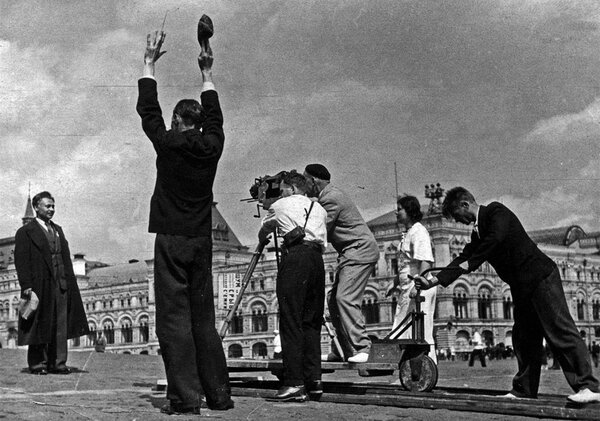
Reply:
x=546, y=313
x=54, y=354
x=301, y=297
x=185, y=322
x=344, y=301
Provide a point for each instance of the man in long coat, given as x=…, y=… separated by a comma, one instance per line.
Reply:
x=45, y=271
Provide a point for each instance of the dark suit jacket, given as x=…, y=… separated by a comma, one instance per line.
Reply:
x=503, y=242
x=186, y=165
x=33, y=262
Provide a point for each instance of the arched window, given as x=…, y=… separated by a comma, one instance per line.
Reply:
x=460, y=301
x=488, y=337
x=234, y=351
x=91, y=337
x=259, y=318
x=108, y=327
x=484, y=303
x=580, y=308
x=461, y=342
x=237, y=323
x=144, y=330
x=126, y=331
x=394, y=305
x=507, y=306
x=596, y=309
x=15, y=306
x=259, y=350
x=370, y=308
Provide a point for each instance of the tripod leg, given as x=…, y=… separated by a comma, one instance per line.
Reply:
x=333, y=337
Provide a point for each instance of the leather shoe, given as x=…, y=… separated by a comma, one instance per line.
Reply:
x=314, y=389
x=584, y=396
x=223, y=406
x=173, y=409
x=331, y=358
x=60, y=370
x=40, y=371
x=290, y=394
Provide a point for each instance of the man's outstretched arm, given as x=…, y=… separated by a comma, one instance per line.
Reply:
x=153, y=44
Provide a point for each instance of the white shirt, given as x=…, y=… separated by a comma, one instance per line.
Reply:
x=44, y=226
x=290, y=212
x=414, y=247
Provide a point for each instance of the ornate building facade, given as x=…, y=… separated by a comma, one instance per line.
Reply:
x=119, y=299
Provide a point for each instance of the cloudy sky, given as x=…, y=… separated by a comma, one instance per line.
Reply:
x=502, y=97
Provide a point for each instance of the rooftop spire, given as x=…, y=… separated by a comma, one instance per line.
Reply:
x=29, y=215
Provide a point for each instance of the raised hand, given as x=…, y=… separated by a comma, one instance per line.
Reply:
x=154, y=42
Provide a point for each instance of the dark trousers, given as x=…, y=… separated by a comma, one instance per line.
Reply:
x=301, y=296
x=54, y=354
x=477, y=353
x=545, y=313
x=185, y=321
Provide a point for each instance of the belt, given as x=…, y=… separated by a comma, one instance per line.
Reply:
x=313, y=245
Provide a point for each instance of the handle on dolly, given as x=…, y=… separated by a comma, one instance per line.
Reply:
x=414, y=319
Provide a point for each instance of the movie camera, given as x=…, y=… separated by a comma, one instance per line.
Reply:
x=266, y=190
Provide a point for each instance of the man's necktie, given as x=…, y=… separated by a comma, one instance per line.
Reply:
x=50, y=229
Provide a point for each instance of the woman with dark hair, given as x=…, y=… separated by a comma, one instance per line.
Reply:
x=414, y=256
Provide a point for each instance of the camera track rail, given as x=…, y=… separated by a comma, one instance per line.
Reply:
x=450, y=398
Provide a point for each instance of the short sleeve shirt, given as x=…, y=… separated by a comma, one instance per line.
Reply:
x=414, y=247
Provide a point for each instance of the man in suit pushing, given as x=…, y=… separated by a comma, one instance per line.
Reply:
x=45, y=271
x=541, y=309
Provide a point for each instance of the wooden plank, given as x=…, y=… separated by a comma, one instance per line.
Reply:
x=553, y=406
x=266, y=365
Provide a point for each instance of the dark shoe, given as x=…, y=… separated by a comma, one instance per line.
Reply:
x=40, y=371
x=60, y=370
x=172, y=409
x=331, y=358
x=315, y=390
x=290, y=394
x=222, y=406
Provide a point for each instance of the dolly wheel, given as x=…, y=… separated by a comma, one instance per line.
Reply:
x=419, y=374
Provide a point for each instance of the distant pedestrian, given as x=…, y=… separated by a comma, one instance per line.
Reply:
x=276, y=345
x=595, y=353
x=477, y=351
x=100, y=345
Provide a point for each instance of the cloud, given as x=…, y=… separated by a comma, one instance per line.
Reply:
x=28, y=88
x=560, y=206
x=568, y=128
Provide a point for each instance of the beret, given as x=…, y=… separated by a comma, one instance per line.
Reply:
x=318, y=171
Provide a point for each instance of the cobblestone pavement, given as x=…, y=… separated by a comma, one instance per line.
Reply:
x=122, y=387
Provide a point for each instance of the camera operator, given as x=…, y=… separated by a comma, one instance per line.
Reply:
x=300, y=286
